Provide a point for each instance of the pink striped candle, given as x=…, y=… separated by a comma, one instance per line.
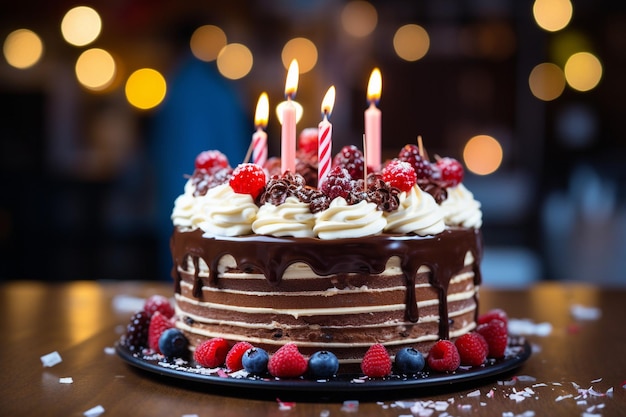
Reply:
x=288, y=130
x=259, y=138
x=373, y=121
x=324, y=138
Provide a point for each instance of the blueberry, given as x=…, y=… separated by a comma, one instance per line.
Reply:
x=323, y=365
x=254, y=360
x=409, y=361
x=173, y=342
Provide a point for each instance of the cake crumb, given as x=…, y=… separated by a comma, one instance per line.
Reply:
x=350, y=406
x=51, y=359
x=94, y=411
x=66, y=380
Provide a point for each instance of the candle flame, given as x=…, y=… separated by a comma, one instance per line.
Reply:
x=279, y=110
x=374, y=86
x=329, y=101
x=291, y=85
x=262, y=111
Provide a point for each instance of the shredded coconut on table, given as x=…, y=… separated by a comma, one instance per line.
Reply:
x=66, y=380
x=94, y=411
x=51, y=359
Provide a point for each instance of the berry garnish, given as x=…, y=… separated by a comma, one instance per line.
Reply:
x=496, y=313
x=496, y=334
x=158, y=303
x=338, y=183
x=254, y=360
x=248, y=179
x=444, y=357
x=410, y=153
x=233, y=358
x=173, y=343
x=409, y=361
x=323, y=364
x=451, y=171
x=211, y=160
x=136, y=336
x=211, y=353
x=472, y=349
x=376, y=362
x=287, y=362
x=307, y=141
x=158, y=324
x=351, y=158
x=399, y=174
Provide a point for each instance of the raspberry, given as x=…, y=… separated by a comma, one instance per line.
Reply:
x=399, y=174
x=233, y=358
x=411, y=154
x=444, y=357
x=338, y=183
x=496, y=313
x=451, y=171
x=137, y=331
x=287, y=362
x=211, y=160
x=307, y=141
x=158, y=303
x=350, y=158
x=158, y=324
x=248, y=179
x=211, y=353
x=472, y=349
x=496, y=335
x=376, y=362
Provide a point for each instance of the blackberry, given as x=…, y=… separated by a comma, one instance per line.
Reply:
x=350, y=158
x=136, y=336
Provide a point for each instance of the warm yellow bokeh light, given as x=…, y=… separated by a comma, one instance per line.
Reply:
x=359, y=18
x=546, y=81
x=234, y=61
x=95, y=69
x=301, y=49
x=145, y=88
x=552, y=15
x=482, y=155
x=583, y=71
x=81, y=26
x=22, y=48
x=206, y=42
x=411, y=42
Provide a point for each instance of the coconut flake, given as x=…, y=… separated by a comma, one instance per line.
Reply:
x=580, y=312
x=350, y=406
x=109, y=350
x=51, y=359
x=127, y=304
x=474, y=393
x=94, y=411
x=66, y=380
x=528, y=327
x=563, y=397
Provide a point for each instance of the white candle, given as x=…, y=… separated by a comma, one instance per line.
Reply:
x=324, y=137
x=373, y=118
x=288, y=130
x=259, y=138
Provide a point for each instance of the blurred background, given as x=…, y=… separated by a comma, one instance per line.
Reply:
x=103, y=108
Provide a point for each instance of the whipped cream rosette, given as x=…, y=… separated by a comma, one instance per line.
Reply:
x=461, y=209
x=291, y=218
x=342, y=220
x=223, y=212
x=418, y=213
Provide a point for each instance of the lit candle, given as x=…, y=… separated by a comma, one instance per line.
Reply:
x=259, y=138
x=324, y=137
x=373, y=121
x=288, y=120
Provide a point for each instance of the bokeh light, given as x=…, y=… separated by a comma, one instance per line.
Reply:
x=552, y=15
x=411, y=42
x=583, y=71
x=301, y=49
x=22, y=48
x=567, y=43
x=482, y=155
x=145, y=88
x=81, y=26
x=546, y=81
x=359, y=18
x=234, y=61
x=206, y=42
x=95, y=69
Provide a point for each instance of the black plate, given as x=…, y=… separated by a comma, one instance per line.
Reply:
x=517, y=353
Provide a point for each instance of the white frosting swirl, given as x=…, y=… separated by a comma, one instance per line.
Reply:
x=292, y=218
x=223, y=212
x=418, y=212
x=341, y=220
x=184, y=207
x=461, y=209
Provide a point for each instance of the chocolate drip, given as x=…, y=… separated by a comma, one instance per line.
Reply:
x=444, y=254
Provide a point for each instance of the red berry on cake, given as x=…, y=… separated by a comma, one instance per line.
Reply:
x=248, y=179
x=399, y=174
x=496, y=334
x=158, y=324
x=444, y=357
x=307, y=141
x=287, y=362
x=351, y=158
x=235, y=354
x=411, y=154
x=211, y=353
x=376, y=362
x=158, y=303
x=211, y=160
x=472, y=349
x=451, y=171
x=496, y=313
x=338, y=183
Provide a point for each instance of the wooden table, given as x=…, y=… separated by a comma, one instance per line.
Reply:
x=79, y=322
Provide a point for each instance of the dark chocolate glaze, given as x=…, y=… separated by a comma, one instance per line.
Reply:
x=444, y=254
